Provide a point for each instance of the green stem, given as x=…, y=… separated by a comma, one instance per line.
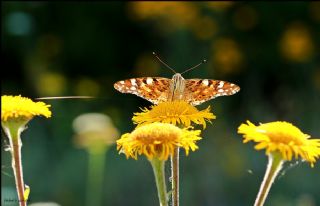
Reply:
x=175, y=177
x=96, y=166
x=158, y=170
x=13, y=132
x=275, y=163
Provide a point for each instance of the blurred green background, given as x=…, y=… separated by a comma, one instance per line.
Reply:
x=271, y=50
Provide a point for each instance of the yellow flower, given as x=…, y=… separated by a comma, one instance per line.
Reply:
x=177, y=112
x=157, y=140
x=16, y=111
x=17, y=107
x=282, y=137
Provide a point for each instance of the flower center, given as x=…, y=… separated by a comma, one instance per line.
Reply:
x=156, y=134
x=283, y=137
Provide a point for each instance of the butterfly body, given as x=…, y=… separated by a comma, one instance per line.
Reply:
x=159, y=89
x=177, y=87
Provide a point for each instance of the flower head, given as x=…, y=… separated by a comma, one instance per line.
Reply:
x=17, y=107
x=157, y=140
x=177, y=112
x=282, y=137
x=16, y=111
x=94, y=132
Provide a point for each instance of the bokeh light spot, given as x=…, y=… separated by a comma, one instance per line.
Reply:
x=296, y=43
x=167, y=15
x=86, y=86
x=51, y=84
x=204, y=27
x=227, y=56
x=19, y=23
x=220, y=5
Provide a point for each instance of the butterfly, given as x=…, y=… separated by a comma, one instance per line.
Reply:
x=193, y=91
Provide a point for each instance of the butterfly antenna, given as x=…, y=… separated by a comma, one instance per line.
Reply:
x=65, y=97
x=163, y=62
x=202, y=62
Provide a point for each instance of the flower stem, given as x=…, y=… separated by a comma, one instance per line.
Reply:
x=158, y=170
x=275, y=163
x=13, y=132
x=175, y=177
x=96, y=167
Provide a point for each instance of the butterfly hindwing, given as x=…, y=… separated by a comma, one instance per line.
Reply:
x=154, y=89
x=198, y=91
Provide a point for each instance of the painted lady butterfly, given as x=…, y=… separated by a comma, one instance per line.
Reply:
x=193, y=91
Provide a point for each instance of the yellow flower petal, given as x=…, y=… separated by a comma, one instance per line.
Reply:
x=282, y=137
x=157, y=140
x=17, y=107
x=177, y=112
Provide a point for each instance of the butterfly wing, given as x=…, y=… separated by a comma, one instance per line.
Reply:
x=198, y=91
x=153, y=89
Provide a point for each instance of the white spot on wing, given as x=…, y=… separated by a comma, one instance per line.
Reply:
x=234, y=91
x=133, y=82
x=220, y=84
x=121, y=82
x=205, y=82
x=149, y=80
x=220, y=90
x=132, y=88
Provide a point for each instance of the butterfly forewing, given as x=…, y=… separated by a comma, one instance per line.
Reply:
x=198, y=91
x=154, y=89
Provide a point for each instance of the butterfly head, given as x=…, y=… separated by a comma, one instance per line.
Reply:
x=177, y=85
x=177, y=78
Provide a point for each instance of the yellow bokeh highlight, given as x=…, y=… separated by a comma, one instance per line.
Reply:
x=51, y=84
x=86, y=86
x=181, y=11
x=296, y=43
x=168, y=13
x=220, y=5
x=204, y=27
x=227, y=56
